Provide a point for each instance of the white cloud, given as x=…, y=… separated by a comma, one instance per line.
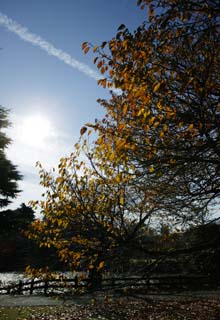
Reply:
x=36, y=40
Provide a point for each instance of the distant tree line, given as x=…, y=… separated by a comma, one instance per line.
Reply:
x=16, y=251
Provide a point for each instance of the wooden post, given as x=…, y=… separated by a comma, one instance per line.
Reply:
x=76, y=282
x=32, y=286
x=45, y=287
x=94, y=279
x=20, y=285
x=148, y=283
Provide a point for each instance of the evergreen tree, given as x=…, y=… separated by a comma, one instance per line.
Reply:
x=9, y=176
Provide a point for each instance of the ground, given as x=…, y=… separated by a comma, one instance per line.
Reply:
x=183, y=306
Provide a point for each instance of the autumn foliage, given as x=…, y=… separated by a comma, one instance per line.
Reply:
x=165, y=121
x=155, y=156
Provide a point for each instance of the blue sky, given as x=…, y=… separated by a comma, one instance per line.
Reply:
x=35, y=85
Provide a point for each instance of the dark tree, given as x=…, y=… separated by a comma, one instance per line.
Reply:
x=14, y=221
x=9, y=176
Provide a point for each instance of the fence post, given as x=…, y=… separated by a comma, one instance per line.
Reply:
x=45, y=287
x=20, y=285
x=147, y=283
x=32, y=286
x=76, y=282
x=94, y=279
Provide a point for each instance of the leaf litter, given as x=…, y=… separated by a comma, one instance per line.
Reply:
x=132, y=309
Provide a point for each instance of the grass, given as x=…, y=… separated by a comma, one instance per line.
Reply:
x=14, y=313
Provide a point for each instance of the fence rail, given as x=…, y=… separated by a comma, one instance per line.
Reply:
x=159, y=282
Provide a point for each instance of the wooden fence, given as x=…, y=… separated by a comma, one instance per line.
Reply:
x=153, y=283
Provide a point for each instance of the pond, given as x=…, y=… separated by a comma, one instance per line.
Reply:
x=14, y=277
x=11, y=277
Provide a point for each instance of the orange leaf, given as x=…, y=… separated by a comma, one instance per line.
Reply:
x=86, y=49
x=100, y=64
x=83, y=130
x=102, y=70
x=84, y=45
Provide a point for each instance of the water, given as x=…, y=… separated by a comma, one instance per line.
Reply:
x=11, y=277
x=14, y=277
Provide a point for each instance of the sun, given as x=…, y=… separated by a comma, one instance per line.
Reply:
x=35, y=129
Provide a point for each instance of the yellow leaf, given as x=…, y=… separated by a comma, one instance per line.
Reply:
x=146, y=114
x=156, y=86
x=125, y=109
x=146, y=128
x=118, y=178
x=59, y=180
x=60, y=222
x=159, y=106
x=140, y=112
x=125, y=44
x=95, y=48
x=101, y=265
x=156, y=124
x=120, y=143
x=151, y=121
x=151, y=169
x=122, y=200
x=112, y=156
x=77, y=255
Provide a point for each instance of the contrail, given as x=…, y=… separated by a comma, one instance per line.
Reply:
x=37, y=41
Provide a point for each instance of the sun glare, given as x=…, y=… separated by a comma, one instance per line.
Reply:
x=35, y=129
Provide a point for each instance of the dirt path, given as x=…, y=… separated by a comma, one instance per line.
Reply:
x=32, y=300
x=41, y=300
x=20, y=301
